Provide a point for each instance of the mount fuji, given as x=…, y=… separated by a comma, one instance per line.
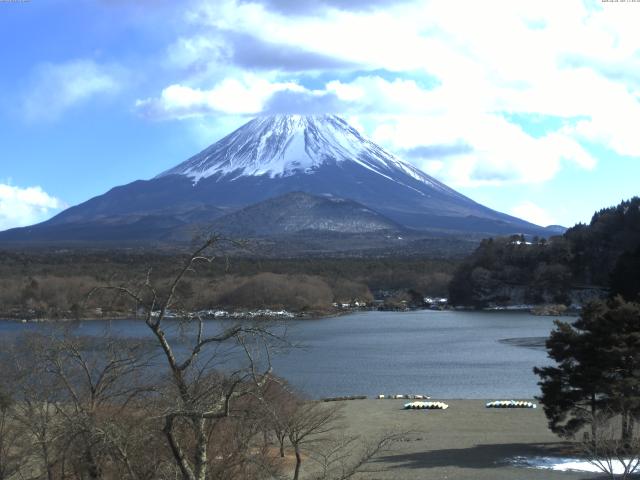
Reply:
x=355, y=184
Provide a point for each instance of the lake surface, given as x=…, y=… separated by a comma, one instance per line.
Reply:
x=445, y=354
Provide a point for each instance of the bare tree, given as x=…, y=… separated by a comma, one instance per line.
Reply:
x=12, y=453
x=97, y=391
x=310, y=424
x=613, y=453
x=314, y=431
x=197, y=399
x=80, y=405
x=279, y=403
x=191, y=403
x=344, y=457
x=236, y=449
x=34, y=408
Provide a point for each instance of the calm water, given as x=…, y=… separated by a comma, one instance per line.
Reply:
x=443, y=354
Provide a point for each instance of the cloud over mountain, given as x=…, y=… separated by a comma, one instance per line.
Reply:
x=447, y=81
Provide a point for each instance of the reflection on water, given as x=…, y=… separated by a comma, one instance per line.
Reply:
x=528, y=342
x=445, y=354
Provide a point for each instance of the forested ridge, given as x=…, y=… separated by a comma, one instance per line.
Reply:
x=601, y=258
x=54, y=284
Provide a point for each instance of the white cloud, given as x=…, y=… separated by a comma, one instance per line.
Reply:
x=482, y=61
x=499, y=151
x=57, y=87
x=246, y=95
x=25, y=206
x=533, y=213
x=406, y=116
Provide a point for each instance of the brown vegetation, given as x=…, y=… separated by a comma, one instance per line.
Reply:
x=298, y=292
x=54, y=285
x=199, y=406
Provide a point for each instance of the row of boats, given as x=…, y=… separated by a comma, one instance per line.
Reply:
x=426, y=406
x=511, y=404
x=494, y=404
x=419, y=405
x=403, y=397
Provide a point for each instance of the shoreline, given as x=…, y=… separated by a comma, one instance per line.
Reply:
x=233, y=316
x=284, y=314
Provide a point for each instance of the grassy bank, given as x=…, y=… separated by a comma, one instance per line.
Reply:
x=465, y=442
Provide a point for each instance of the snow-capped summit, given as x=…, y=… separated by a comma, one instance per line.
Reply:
x=285, y=145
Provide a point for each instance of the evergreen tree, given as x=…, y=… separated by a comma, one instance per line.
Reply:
x=597, y=369
x=625, y=278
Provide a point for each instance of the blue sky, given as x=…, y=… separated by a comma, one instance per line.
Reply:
x=530, y=108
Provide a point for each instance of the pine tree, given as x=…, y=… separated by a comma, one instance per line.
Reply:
x=625, y=278
x=597, y=369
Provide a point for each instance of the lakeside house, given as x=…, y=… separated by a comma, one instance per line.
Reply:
x=435, y=302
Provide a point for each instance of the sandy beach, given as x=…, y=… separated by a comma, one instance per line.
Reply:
x=465, y=442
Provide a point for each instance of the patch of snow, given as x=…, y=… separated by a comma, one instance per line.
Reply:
x=560, y=464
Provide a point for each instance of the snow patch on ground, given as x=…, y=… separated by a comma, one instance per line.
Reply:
x=562, y=464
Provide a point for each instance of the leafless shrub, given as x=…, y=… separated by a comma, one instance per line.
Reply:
x=613, y=453
x=12, y=449
x=343, y=457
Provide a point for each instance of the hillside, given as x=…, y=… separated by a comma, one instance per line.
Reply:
x=601, y=258
x=298, y=212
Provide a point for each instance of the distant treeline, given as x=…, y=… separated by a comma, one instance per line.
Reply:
x=55, y=284
x=603, y=256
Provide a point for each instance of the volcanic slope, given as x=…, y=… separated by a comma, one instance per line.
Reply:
x=322, y=156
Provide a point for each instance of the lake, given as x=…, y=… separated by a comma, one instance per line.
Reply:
x=445, y=354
